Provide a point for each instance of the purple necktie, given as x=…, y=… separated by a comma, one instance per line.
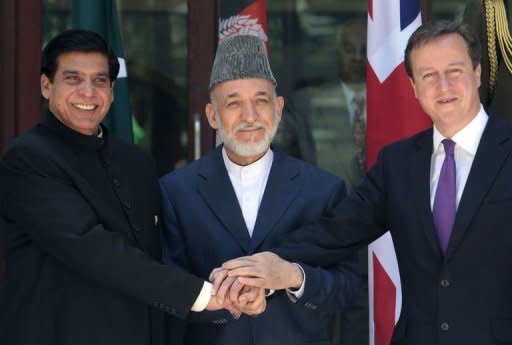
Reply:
x=445, y=200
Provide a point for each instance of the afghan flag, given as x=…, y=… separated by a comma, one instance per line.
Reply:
x=393, y=113
x=243, y=17
x=101, y=16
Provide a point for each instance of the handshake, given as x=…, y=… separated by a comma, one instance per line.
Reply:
x=241, y=284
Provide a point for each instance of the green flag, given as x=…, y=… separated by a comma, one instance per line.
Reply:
x=101, y=16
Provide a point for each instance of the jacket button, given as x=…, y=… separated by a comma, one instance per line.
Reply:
x=445, y=283
x=127, y=205
x=444, y=327
x=116, y=182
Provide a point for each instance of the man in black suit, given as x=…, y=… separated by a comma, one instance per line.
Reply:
x=81, y=210
x=446, y=196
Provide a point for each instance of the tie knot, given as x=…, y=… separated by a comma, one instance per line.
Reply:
x=449, y=146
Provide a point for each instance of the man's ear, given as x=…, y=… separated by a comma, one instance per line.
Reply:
x=45, y=86
x=112, y=90
x=478, y=74
x=280, y=106
x=210, y=115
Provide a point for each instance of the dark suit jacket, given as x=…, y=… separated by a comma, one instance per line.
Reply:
x=468, y=288
x=204, y=227
x=83, y=249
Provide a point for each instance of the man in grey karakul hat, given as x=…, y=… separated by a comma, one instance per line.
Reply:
x=245, y=198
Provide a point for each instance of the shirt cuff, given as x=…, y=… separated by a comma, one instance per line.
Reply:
x=203, y=298
x=295, y=294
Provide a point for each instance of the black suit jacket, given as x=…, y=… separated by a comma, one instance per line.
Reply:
x=469, y=288
x=83, y=246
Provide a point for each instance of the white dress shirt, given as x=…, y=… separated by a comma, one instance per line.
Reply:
x=249, y=183
x=466, y=144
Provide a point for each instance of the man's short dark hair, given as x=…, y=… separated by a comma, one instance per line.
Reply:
x=437, y=28
x=82, y=41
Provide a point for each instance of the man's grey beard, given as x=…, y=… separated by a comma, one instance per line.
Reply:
x=250, y=148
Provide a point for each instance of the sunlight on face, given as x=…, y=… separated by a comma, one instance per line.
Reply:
x=80, y=93
x=445, y=82
x=246, y=113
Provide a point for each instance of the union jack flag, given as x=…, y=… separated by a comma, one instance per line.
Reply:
x=393, y=113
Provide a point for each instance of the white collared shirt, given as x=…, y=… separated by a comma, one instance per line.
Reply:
x=466, y=144
x=249, y=183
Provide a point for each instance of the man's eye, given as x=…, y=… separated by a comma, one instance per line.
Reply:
x=101, y=81
x=72, y=77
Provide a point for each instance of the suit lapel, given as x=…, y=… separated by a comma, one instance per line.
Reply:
x=280, y=191
x=420, y=181
x=488, y=160
x=216, y=189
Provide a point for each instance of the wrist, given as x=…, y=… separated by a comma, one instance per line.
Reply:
x=296, y=276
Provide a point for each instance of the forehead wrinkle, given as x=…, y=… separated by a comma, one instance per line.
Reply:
x=263, y=93
x=232, y=95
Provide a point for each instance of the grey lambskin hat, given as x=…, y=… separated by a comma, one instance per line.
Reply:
x=240, y=57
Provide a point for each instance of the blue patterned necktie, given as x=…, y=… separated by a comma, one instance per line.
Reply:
x=445, y=199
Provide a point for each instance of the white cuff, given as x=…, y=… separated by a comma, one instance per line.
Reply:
x=297, y=293
x=203, y=298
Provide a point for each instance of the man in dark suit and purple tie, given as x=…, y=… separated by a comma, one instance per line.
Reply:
x=445, y=195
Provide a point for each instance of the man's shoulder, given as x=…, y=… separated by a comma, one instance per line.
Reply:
x=124, y=147
x=419, y=139
x=192, y=169
x=306, y=169
x=34, y=140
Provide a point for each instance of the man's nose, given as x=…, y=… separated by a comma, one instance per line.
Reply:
x=87, y=88
x=249, y=112
x=444, y=81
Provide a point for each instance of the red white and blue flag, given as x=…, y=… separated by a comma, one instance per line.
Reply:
x=393, y=113
x=243, y=17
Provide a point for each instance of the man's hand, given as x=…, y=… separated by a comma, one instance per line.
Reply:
x=248, y=299
x=230, y=293
x=214, y=304
x=221, y=283
x=265, y=270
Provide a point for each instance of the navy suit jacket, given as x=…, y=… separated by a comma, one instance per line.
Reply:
x=204, y=227
x=461, y=297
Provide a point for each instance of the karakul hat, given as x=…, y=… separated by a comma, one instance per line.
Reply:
x=240, y=57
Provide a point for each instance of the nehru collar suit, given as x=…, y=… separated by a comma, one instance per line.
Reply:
x=460, y=297
x=83, y=256
x=204, y=227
